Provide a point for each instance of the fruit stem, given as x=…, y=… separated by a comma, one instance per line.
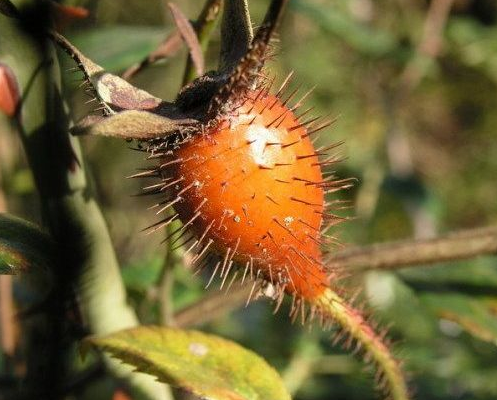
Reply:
x=354, y=323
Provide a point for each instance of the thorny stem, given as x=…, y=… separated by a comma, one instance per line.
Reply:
x=390, y=377
x=88, y=261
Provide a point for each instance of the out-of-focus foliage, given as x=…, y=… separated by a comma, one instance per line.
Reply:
x=24, y=247
x=425, y=158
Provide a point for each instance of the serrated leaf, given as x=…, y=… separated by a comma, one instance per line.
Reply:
x=206, y=365
x=472, y=314
x=23, y=246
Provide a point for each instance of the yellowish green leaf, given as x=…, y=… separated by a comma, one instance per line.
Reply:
x=206, y=365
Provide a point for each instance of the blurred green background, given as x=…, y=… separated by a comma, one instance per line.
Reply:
x=416, y=110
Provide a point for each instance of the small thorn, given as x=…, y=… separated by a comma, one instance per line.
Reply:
x=303, y=124
x=305, y=202
x=301, y=100
x=213, y=274
x=284, y=84
x=283, y=114
x=318, y=128
x=272, y=200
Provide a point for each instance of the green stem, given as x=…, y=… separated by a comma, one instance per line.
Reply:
x=88, y=262
x=204, y=26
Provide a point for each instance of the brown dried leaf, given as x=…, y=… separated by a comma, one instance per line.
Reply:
x=189, y=36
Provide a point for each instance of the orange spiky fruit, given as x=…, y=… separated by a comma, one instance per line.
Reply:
x=249, y=190
x=237, y=167
x=252, y=190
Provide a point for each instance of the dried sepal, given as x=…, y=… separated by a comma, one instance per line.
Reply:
x=113, y=92
x=129, y=112
x=132, y=124
x=236, y=33
x=247, y=72
x=189, y=36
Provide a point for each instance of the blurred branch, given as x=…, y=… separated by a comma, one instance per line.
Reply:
x=459, y=245
x=166, y=284
x=88, y=264
x=429, y=46
x=398, y=147
x=7, y=316
x=305, y=365
x=300, y=367
x=212, y=306
x=204, y=26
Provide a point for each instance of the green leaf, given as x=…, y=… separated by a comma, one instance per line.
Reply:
x=472, y=314
x=117, y=47
x=203, y=364
x=23, y=245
